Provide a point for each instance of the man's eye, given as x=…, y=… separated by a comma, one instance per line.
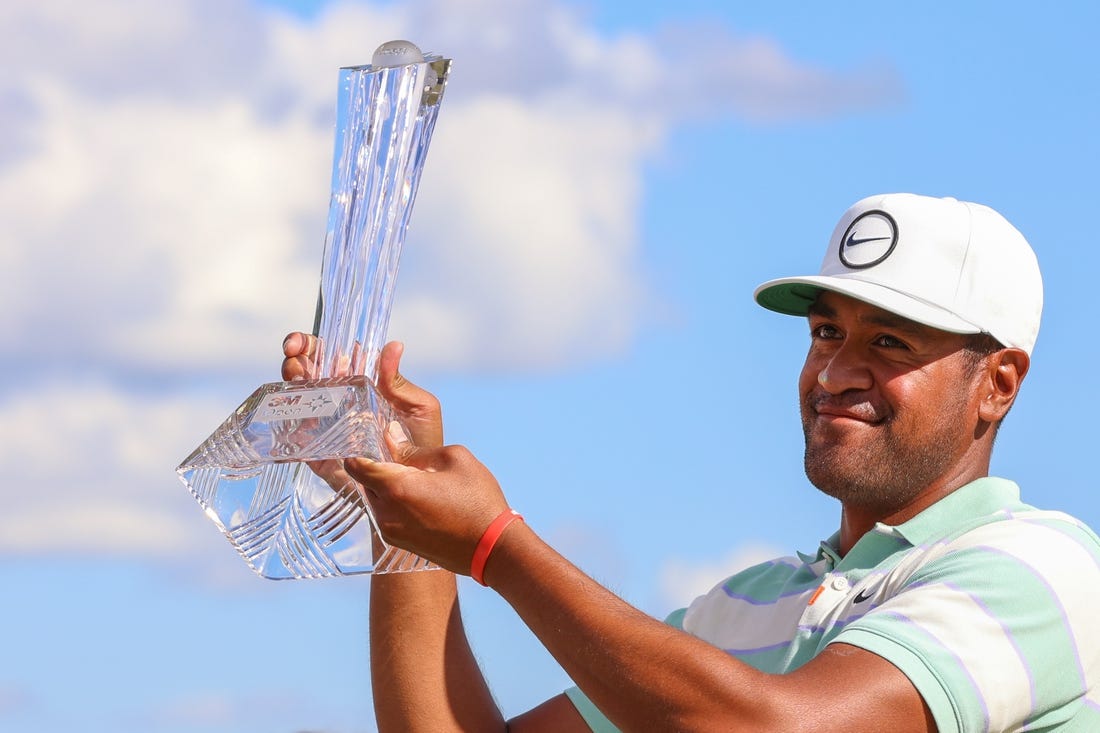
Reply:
x=824, y=331
x=890, y=342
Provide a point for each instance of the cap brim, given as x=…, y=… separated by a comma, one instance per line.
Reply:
x=794, y=296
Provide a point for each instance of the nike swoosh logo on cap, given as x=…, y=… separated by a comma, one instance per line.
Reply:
x=852, y=241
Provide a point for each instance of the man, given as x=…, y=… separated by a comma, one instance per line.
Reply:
x=942, y=603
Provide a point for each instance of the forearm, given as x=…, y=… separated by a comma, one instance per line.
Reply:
x=423, y=674
x=643, y=674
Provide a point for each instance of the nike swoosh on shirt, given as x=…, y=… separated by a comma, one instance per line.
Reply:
x=864, y=595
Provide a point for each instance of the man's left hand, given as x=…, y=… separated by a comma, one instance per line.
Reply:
x=435, y=502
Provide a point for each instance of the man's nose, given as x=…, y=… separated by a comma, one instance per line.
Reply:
x=846, y=369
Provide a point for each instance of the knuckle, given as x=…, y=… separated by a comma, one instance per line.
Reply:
x=455, y=454
x=431, y=404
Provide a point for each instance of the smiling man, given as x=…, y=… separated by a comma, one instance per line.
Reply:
x=943, y=602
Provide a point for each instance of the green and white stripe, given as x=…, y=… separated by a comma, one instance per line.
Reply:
x=988, y=605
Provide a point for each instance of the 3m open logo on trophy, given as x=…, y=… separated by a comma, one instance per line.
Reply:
x=253, y=475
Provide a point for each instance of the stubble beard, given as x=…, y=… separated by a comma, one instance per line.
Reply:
x=885, y=473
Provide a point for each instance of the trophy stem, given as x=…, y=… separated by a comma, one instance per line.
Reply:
x=385, y=120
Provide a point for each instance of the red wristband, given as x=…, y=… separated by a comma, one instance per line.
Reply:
x=489, y=540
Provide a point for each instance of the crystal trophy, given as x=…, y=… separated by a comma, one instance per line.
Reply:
x=270, y=477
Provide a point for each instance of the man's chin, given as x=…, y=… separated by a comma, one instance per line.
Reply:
x=833, y=469
x=829, y=484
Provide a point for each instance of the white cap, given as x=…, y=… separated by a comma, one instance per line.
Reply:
x=949, y=264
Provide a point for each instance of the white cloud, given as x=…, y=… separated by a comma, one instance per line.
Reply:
x=100, y=524
x=680, y=581
x=753, y=78
x=555, y=235
x=164, y=182
x=149, y=234
x=89, y=468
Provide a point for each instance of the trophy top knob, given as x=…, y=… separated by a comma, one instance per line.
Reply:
x=396, y=53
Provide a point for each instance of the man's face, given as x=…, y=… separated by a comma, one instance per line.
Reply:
x=888, y=405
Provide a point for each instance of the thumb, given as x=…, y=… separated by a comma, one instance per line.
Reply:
x=405, y=458
x=418, y=408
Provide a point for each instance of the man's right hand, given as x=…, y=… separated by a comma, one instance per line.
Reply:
x=418, y=409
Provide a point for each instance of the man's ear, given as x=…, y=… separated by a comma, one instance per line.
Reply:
x=1001, y=378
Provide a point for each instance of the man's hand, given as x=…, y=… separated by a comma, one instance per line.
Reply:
x=432, y=500
x=418, y=409
x=423, y=674
x=435, y=502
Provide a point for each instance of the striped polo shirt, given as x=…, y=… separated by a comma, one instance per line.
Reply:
x=990, y=606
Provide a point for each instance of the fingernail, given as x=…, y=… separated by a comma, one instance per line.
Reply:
x=397, y=433
x=358, y=461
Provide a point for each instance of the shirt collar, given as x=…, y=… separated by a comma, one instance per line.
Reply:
x=826, y=551
x=979, y=498
x=974, y=500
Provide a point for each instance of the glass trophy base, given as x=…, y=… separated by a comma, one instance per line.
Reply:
x=271, y=478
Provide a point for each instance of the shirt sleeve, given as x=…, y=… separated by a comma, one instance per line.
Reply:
x=596, y=720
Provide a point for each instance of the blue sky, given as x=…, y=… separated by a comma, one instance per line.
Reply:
x=608, y=183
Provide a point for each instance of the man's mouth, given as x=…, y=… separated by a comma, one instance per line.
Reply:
x=832, y=408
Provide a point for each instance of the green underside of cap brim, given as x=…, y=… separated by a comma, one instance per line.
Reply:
x=792, y=299
x=794, y=296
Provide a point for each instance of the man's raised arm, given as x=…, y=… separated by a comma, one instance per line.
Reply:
x=423, y=674
x=643, y=674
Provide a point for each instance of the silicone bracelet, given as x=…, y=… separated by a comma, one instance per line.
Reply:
x=489, y=540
